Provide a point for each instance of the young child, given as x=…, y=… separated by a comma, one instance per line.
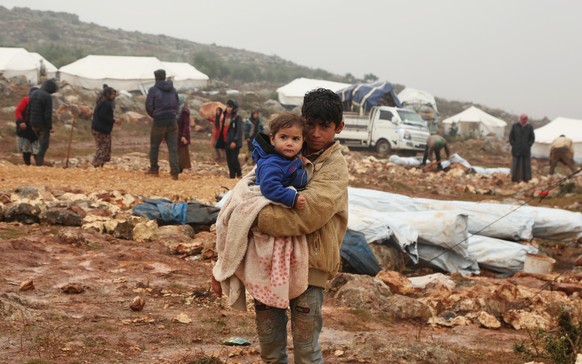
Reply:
x=278, y=160
x=323, y=222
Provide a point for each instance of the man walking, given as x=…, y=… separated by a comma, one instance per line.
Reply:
x=162, y=106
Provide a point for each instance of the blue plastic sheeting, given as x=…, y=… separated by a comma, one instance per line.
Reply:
x=356, y=251
x=363, y=96
x=163, y=211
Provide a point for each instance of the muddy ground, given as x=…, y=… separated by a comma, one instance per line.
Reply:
x=84, y=282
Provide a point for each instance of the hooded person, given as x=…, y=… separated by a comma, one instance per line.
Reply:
x=41, y=116
x=162, y=106
x=233, y=137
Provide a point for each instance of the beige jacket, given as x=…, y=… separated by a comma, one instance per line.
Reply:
x=324, y=219
x=562, y=142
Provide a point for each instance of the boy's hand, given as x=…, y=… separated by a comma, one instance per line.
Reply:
x=301, y=202
x=183, y=140
x=216, y=287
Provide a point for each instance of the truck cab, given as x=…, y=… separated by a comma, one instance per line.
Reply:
x=385, y=129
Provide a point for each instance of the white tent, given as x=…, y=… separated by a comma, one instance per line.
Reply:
x=475, y=122
x=51, y=70
x=16, y=62
x=572, y=128
x=185, y=76
x=292, y=93
x=119, y=72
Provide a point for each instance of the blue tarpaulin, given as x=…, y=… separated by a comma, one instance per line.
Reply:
x=162, y=210
x=363, y=96
x=356, y=251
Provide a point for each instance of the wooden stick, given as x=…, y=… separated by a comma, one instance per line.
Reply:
x=70, y=140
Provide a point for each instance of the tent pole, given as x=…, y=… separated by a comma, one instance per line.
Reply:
x=70, y=140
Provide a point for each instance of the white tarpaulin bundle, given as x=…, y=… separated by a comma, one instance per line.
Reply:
x=488, y=223
x=572, y=128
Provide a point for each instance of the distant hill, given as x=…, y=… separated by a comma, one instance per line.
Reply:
x=62, y=38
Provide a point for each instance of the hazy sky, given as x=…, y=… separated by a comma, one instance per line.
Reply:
x=523, y=56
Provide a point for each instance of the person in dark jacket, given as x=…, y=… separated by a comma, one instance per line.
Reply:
x=279, y=163
x=183, y=135
x=41, y=116
x=102, y=125
x=234, y=136
x=26, y=139
x=521, y=138
x=162, y=106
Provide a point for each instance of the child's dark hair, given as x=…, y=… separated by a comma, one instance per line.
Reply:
x=322, y=106
x=286, y=120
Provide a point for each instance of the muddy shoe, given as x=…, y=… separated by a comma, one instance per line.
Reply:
x=152, y=172
x=175, y=177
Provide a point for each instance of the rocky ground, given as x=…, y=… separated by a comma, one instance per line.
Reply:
x=78, y=286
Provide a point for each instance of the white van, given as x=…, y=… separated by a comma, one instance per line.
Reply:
x=385, y=129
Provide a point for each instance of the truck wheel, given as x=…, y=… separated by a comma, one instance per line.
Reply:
x=383, y=147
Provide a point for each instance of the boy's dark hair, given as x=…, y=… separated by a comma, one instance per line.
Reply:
x=322, y=106
x=286, y=120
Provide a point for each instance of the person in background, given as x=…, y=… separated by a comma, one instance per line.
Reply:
x=279, y=163
x=26, y=139
x=521, y=138
x=435, y=143
x=183, y=134
x=103, y=121
x=253, y=126
x=218, y=135
x=232, y=123
x=562, y=151
x=41, y=116
x=162, y=106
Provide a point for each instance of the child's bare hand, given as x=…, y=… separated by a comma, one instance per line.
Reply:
x=216, y=287
x=301, y=202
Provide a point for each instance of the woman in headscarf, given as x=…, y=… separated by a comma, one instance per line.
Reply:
x=183, y=135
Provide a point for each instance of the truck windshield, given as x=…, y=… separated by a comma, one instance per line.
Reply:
x=412, y=118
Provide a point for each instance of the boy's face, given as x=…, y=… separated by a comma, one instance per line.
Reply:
x=321, y=136
x=288, y=141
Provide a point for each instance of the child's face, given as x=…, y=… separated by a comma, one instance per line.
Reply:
x=288, y=141
x=320, y=136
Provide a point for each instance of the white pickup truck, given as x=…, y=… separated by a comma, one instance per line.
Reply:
x=385, y=129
